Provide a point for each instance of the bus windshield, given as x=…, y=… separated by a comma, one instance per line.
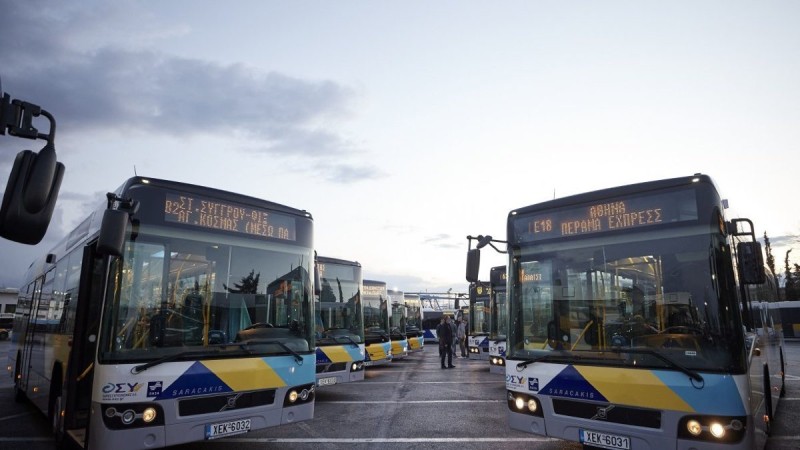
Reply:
x=591, y=299
x=339, y=313
x=172, y=292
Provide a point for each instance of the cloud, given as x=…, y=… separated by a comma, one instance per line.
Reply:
x=48, y=61
x=442, y=241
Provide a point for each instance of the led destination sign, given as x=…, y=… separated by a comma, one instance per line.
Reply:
x=611, y=215
x=219, y=215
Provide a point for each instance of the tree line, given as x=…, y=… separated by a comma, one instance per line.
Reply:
x=791, y=273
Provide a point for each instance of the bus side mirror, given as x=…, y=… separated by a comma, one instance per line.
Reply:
x=30, y=196
x=751, y=263
x=112, y=232
x=473, y=264
x=317, y=287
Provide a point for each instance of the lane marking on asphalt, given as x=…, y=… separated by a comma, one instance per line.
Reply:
x=434, y=382
x=25, y=439
x=351, y=402
x=384, y=440
x=15, y=416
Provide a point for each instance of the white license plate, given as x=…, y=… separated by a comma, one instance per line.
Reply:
x=222, y=429
x=605, y=440
x=326, y=381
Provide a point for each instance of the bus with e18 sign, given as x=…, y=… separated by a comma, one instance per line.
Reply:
x=339, y=322
x=173, y=313
x=630, y=320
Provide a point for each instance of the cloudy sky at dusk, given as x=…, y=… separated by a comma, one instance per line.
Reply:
x=403, y=127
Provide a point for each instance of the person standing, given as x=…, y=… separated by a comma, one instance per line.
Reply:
x=446, y=336
x=461, y=335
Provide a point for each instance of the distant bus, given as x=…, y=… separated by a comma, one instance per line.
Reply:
x=635, y=320
x=6, y=325
x=432, y=317
x=377, y=333
x=339, y=322
x=498, y=320
x=480, y=315
x=173, y=313
x=397, y=324
x=414, y=330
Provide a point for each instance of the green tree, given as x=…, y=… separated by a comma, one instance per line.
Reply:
x=248, y=285
x=790, y=287
x=770, y=258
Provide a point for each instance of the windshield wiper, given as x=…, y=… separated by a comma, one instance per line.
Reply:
x=523, y=364
x=246, y=346
x=142, y=367
x=344, y=336
x=649, y=351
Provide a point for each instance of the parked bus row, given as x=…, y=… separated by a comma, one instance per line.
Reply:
x=177, y=313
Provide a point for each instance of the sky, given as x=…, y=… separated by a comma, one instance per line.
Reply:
x=403, y=127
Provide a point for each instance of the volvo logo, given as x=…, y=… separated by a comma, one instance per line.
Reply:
x=602, y=413
x=230, y=403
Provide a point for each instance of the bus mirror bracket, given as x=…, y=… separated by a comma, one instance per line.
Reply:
x=115, y=225
x=474, y=254
x=317, y=287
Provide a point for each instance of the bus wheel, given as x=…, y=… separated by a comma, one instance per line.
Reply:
x=783, y=375
x=57, y=423
x=767, y=401
x=19, y=394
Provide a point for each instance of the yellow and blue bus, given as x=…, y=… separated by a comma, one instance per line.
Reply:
x=414, y=317
x=397, y=324
x=377, y=333
x=480, y=316
x=339, y=322
x=173, y=313
x=498, y=320
x=630, y=323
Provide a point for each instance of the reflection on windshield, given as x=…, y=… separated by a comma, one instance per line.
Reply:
x=170, y=294
x=661, y=295
x=339, y=316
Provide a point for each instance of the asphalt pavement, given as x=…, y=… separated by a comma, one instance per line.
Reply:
x=408, y=404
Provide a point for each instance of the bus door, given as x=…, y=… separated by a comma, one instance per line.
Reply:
x=80, y=368
x=30, y=334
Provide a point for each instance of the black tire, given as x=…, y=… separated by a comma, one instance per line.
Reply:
x=768, y=400
x=783, y=375
x=19, y=394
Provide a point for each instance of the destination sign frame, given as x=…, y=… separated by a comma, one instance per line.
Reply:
x=607, y=215
x=216, y=214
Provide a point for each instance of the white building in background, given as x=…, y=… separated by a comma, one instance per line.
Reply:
x=8, y=300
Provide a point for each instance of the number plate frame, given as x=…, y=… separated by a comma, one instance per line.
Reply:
x=229, y=428
x=329, y=381
x=604, y=440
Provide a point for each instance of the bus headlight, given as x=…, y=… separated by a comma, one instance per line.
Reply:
x=720, y=429
x=128, y=417
x=523, y=404
x=299, y=395
x=136, y=415
x=149, y=415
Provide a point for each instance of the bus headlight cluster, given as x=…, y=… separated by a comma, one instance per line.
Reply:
x=299, y=395
x=133, y=415
x=498, y=361
x=712, y=428
x=524, y=404
x=356, y=366
x=474, y=350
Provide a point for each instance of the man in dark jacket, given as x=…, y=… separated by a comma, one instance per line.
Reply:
x=446, y=337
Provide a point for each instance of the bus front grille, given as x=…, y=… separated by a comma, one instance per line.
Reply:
x=225, y=402
x=608, y=413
